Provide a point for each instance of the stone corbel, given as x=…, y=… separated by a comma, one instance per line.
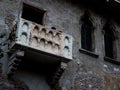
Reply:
x=14, y=61
x=57, y=75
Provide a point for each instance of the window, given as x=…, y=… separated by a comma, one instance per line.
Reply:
x=87, y=34
x=109, y=40
x=33, y=14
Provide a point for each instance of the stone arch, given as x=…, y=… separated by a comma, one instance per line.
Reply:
x=23, y=38
x=35, y=30
x=25, y=26
x=87, y=16
x=111, y=25
x=35, y=41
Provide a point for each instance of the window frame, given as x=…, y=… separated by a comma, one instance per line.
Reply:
x=108, y=26
x=33, y=6
x=114, y=59
x=86, y=19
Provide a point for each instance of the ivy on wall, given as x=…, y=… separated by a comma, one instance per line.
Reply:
x=7, y=41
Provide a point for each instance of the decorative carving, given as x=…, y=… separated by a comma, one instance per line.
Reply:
x=39, y=37
x=43, y=32
x=66, y=41
x=57, y=38
x=50, y=35
x=55, y=78
x=56, y=48
x=49, y=46
x=14, y=61
x=23, y=38
x=36, y=30
x=34, y=41
x=42, y=43
x=66, y=51
x=25, y=27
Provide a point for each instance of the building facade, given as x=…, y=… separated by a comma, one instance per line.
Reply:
x=60, y=45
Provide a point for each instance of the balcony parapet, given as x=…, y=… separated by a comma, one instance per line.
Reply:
x=40, y=38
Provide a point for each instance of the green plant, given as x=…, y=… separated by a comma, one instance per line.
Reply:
x=11, y=38
x=7, y=41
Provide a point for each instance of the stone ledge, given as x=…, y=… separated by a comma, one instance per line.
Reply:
x=88, y=53
x=114, y=61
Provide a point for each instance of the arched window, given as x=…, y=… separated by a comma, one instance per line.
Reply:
x=87, y=34
x=109, y=40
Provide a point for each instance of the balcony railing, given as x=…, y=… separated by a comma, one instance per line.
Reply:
x=38, y=37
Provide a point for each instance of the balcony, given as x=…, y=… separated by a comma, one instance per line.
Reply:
x=41, y=39
x=42, y=45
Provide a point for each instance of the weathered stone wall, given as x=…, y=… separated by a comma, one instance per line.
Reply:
x=84, y=72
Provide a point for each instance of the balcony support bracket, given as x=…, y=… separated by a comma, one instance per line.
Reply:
x=14, y=61
x=57, y=75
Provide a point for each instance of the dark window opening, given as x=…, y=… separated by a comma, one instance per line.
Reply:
x=33, y=14
x=86, y=35
x=109, y=42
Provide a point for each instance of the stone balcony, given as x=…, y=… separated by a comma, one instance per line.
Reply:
x=40, y=44
x=42, y=39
